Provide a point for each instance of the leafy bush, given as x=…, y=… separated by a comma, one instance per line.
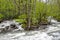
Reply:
x=1, y=16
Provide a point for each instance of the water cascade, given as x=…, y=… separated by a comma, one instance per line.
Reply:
x=50, y=33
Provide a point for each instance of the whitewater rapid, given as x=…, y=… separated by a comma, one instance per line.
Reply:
x=50, y=33
x=32, y=35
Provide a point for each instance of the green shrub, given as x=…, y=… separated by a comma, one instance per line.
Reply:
x=23, y=21
x=1, y=16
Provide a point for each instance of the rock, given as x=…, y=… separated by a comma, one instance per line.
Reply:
x=43, y=26
x=13, y=26
x=10, y=25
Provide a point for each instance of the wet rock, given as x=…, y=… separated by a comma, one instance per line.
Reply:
x=10, y=25
x=43, y=26
x=13, y=26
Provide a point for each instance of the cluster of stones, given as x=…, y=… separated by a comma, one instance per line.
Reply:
x=9, y=26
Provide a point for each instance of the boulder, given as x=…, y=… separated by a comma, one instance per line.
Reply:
x=10, y=25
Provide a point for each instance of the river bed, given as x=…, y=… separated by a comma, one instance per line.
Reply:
x=50, y=33
x=30, y=35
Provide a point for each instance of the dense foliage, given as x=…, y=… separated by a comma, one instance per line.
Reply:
x=29, y=12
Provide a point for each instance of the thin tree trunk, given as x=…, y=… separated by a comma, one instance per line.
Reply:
x=17, y=6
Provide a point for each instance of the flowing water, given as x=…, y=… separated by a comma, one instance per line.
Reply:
x=50, y=33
